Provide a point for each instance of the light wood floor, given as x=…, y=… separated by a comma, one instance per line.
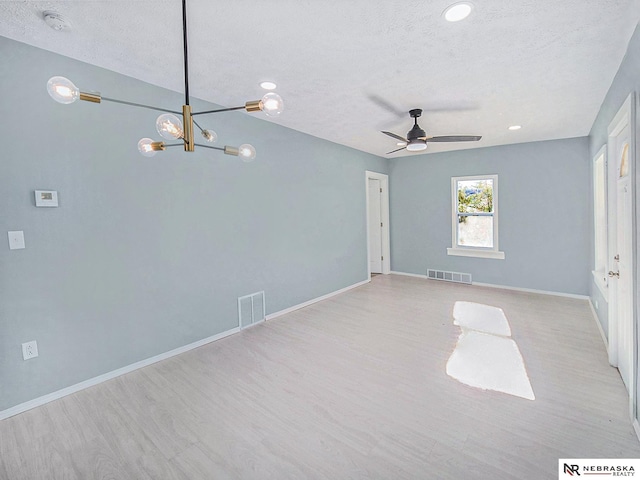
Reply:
x=352, y=387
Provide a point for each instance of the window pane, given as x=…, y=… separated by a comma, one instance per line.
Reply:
x=474, y=231
x=475, y=196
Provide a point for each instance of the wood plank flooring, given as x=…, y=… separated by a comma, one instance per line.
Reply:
x=350, y=388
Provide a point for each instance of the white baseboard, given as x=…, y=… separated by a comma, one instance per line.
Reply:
x=505, y=287
x=597, y=320
x=409, y=274
x=271, y=316
x=533, y=290
x=36, y=402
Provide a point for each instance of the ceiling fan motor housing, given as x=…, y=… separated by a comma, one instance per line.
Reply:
x=416, y=132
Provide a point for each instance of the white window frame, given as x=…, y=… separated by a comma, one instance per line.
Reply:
x=481, y=252
x=600, y=222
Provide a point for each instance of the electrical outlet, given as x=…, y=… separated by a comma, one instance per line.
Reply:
x=29, y=350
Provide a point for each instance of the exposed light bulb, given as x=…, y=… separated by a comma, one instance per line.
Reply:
x=145, y=148
x=247, y=152
x=62, y=90
x=272, y=104
x=169, y=126
x=209, y=135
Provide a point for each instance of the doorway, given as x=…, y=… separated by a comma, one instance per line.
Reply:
x=621, y=152
x=377, y=202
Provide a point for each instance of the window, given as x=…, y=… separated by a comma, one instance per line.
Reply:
x=474, y=203
x=600, y=219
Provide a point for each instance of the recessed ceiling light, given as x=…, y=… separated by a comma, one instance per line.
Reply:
x=457, y=11
x=268, y=85
x=515, y=127
x=401, y=144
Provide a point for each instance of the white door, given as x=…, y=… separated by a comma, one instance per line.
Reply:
x=621, y=337
x=623, y=262
x=375, y=225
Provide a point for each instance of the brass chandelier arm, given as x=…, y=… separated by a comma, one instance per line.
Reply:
x=133, y=104
x=219, y=110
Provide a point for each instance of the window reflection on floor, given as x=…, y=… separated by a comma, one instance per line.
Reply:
x=485, y=356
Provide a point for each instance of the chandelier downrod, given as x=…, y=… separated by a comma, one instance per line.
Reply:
x=186, y=57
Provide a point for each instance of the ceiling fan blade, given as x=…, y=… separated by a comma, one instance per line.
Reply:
x=397, y=137
x=394, y=151
x=455, y=138
x=381, y=102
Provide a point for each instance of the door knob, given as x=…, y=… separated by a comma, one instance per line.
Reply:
x=614, y=274
x=617, y=258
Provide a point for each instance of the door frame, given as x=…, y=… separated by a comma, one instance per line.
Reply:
x=625, y=117
x=384, y=214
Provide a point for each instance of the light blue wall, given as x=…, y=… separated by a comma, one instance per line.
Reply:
x=627, y=80
x=543, y=207
x=145, y=255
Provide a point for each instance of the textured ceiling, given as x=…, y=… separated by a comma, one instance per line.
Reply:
x=348, y=69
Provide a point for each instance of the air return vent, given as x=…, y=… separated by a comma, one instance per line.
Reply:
x=251, y=309
x=456, y=277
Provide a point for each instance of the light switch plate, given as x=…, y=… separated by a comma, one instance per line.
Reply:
x=16, y=240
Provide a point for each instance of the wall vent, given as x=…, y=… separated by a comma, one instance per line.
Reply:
x=251, y=309
x=456, y=277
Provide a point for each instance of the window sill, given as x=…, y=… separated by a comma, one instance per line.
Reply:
x=600, y=280
x=471, y=252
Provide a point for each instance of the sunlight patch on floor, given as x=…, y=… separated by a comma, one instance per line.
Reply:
x=483, y=318
x=485, y=357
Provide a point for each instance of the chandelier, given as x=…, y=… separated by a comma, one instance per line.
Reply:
x=169, y=124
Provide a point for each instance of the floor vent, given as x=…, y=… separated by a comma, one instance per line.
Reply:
x=251, y=309
x=456, y=277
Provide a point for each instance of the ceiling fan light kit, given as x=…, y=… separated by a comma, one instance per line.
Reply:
x=173, y=125
x=417, y=139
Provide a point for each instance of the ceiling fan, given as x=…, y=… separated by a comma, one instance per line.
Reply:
x=417, y=138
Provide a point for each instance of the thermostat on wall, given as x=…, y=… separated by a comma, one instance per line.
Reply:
x=46, y=198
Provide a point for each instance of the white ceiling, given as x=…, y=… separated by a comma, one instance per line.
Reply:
x=344, y=66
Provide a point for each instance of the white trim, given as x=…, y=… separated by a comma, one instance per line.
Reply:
x=271, y=316
x=404, y=274
x=636, y=427
x=37, y=402
x=504, y=287
x=597, y=320
x=476, y=252
x=533, y=290
x=598, y=248
x=384, y=213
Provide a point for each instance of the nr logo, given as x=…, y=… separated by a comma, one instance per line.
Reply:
x=572, y=469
